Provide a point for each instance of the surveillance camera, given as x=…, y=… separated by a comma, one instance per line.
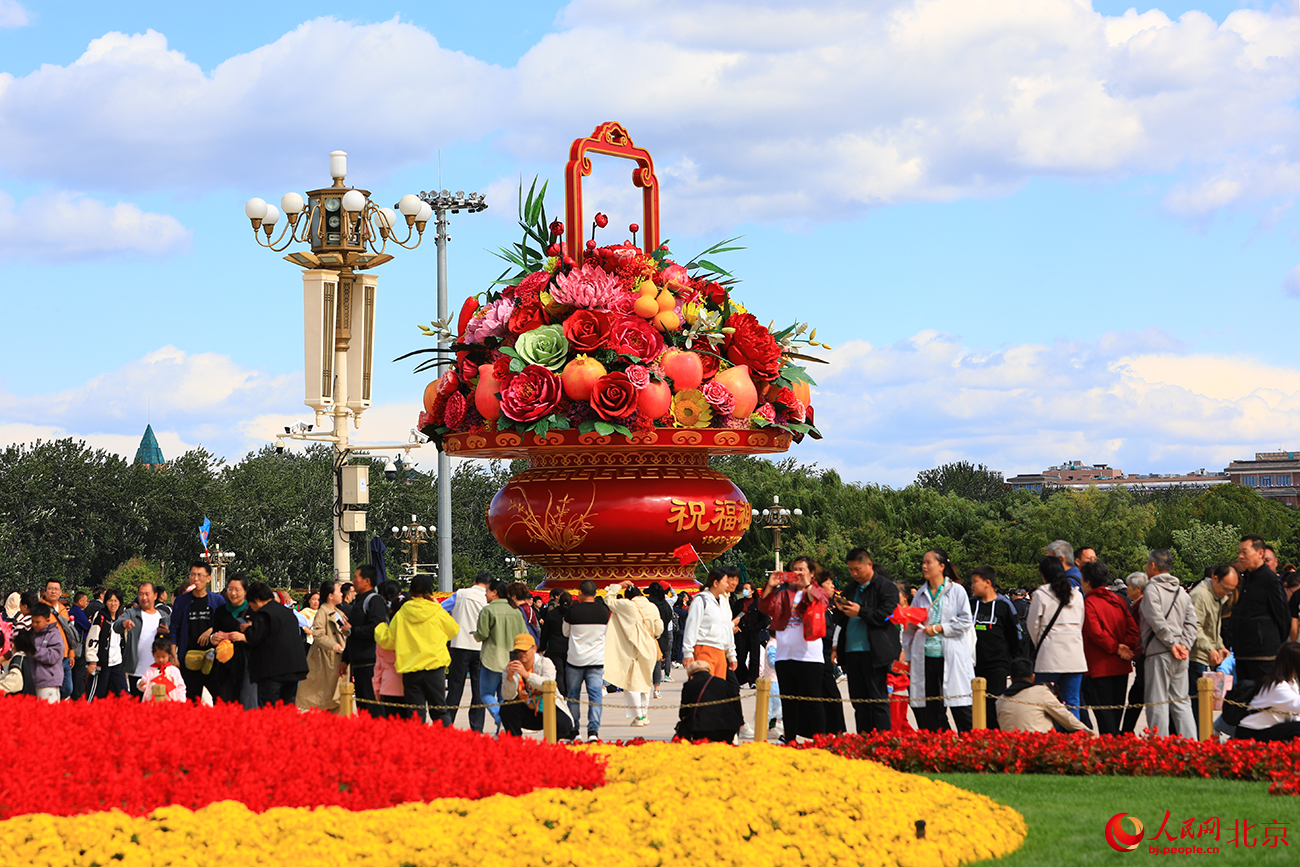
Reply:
x=287, y=429
x=417, y=437
x=390, y=470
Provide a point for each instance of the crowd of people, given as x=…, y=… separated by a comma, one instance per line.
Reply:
x=1081, y=639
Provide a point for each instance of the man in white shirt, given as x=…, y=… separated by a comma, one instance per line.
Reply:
x=140, y=625
x=465, y=652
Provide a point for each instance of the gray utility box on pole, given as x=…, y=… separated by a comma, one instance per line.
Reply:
x=356, y=485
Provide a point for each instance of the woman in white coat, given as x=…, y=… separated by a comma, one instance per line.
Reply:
x=1060, y=661
x=939, y=652
x=631, y=646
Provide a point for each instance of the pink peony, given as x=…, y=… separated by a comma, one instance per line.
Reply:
x=639, y=376
x=590, y=286
x=623, y=303
x=490, y=320
x=718, y=396
x=767, y=411
x=424, y=421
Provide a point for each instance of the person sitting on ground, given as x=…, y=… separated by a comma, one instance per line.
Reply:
x=718, y=723
x=1035, y=707
x=1277, y=703
x=163, y=671
x=523, y=678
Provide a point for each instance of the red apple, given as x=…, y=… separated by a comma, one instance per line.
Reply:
x=685, y=369
x=654, y=399
x=580, y=375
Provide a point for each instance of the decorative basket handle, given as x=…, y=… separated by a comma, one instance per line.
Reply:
x=611, y=139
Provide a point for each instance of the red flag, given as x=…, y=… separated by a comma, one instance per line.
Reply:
x=903, y=616
x=686, y=554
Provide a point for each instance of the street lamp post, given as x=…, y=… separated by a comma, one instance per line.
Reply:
x=440, y=202
x=775, y=519
x=218, y=560
x=347, y=235
x=412, y=535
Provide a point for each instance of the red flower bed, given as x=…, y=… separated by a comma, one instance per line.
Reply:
x=999, y=752
x=71, y=758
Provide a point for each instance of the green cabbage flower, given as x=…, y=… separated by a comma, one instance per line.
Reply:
x=545, y=345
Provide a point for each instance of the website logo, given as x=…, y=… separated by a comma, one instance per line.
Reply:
x=1121, y=840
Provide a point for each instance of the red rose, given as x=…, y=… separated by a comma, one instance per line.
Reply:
x=710, y=363
x=530, y=394
x=638, y=376
x=455, y=412
x=448, y=382
x=526, y=317
x=715, y=294
x=467, y=366
x=587, y=330
x=753, y=345
x=632, y=335
x=501, y=367
x=614, y=396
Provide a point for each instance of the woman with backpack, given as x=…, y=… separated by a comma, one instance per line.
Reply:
x=939, y=651
x=799, y=612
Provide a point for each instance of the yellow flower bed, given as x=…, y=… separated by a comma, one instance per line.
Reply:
x=663, y=804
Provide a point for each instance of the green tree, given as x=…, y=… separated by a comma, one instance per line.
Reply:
x=965, y=480
x=1199, y=545
x=130, y=575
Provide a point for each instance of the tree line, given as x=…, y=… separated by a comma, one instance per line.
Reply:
x=88, y=517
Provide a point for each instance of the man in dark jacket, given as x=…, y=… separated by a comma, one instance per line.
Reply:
x=192, y=621
x=368, y=611
x=1260, y=621
x=276, y=657
x=715, y=722
x=869, y=643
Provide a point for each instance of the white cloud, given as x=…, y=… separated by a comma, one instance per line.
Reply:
x=65, y=225
x=1134, y=400
x=12, y=14
x=130, y=113
x=197, y=397
x=754, y=110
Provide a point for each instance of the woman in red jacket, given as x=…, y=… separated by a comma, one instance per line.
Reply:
x=1110, y=636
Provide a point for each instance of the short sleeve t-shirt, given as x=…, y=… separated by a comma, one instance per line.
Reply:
x=144, y=644
x=791, y=646
x=198, y=620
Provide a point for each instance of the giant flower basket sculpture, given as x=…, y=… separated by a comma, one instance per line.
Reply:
x=616, y=372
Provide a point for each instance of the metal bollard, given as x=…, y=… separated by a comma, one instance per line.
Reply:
x=761, y=710
x=1205, y=708
x=347, y=700
x=979, y=710
x=159, y=692
x=548, y=711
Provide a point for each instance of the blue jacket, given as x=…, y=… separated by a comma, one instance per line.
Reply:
x=180, y=618
x=80, y=620
x=1076, y=578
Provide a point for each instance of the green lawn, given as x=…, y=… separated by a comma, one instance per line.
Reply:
x=1067, y=817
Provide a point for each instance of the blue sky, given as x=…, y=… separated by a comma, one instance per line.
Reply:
x=1034, y=231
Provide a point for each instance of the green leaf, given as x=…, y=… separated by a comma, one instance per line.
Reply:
x=618, y=428
x=559, y=422
x=604, y=428
x=709, y=266
x=587, y=426
x=793, y=373
x=508, y=350
x=517, y=365
x=542, y=426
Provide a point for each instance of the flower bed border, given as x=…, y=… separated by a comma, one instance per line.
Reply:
x=992, y=751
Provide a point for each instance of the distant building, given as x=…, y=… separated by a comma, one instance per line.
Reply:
x=1076, y=475
x=1276, y=475
x=149, y=453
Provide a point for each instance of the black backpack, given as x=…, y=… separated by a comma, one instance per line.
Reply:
x=1241, y=692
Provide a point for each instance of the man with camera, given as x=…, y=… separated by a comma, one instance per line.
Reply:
x=523, y=678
